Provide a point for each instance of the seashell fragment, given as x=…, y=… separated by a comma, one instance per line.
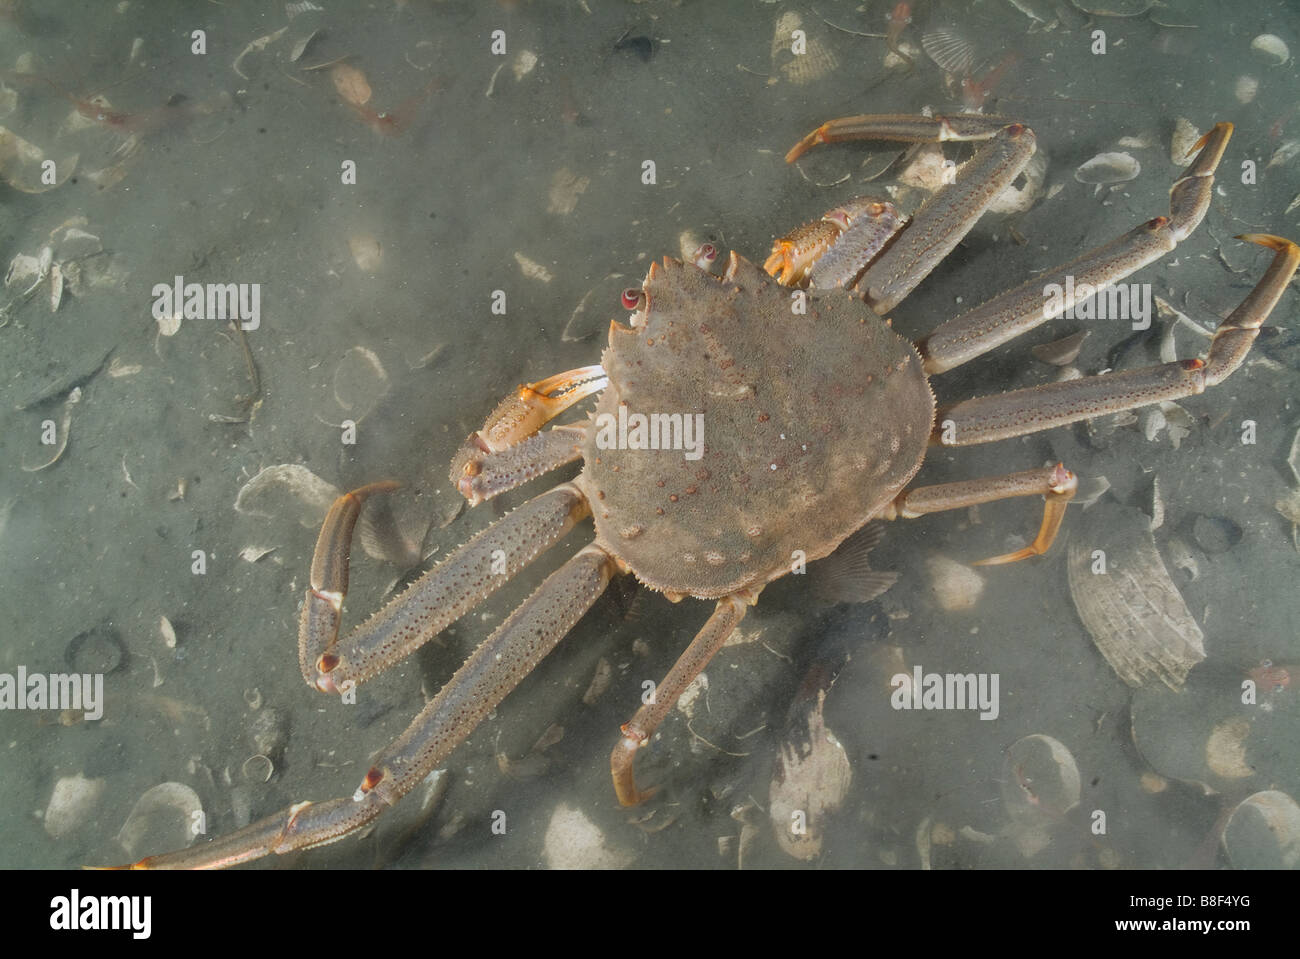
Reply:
x=167, y=631
x=1040, y=778
x=1018, y=199
x=1225, y=749
x=950, y=51
x=811, y=779
x=22, y=164
x=524, y=63
x=573, y=841
x=566, y=187
x=268, y=731
x=257, y=769
x=1108, y=168
x=1263, y=832
x=813, y=62
x=1128, y=602
x=168, y=816
x=532, y=269
x=70, y=804
x=956, y=587
x=1245, y=89
x=1284, y=154
x=1061, y=352
x=1271, y=47
x=351, y=84
x=360, y=382
x=366, y=251
x=287, y=489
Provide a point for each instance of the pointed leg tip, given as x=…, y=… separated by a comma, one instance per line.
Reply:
x=1279, y=243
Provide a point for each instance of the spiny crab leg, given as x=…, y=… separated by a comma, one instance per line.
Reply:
x=637, y=732
x=902, y=128
x=989, y=418
x=937, y=226
x=499, y=663
x=1056, y=484
x=520, y=415
x=1019, y=310
x=437, y=599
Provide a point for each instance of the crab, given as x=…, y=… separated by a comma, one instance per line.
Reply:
x=746, y=422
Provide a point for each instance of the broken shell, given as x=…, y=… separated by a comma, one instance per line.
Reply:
x=1184, y=140
x=168, y=816
x=366, y=251
x=1245, y=89
x=70, y=804
x=1039, y=778
x=300, y=46
x=1128, y=602
x=56, y=287
x=1061, y=352
x=1216, y=534
x=950, y=51
x=955, y=586
x=566, y=187
x=573, y=841
x=532, y=269
x=592, y=314
x=251, y=554
x=97, y=650
x=77, y=244
x=360, y=382
x=1108, y=168
x=287, y=489
x=351, y=84
x=814, y=61
x=1293, y=457
x=168, y=632
x=1019, y=199
x=1272, y=47
x=257, y=769
x=525, y=62
x=811, y=779
x=1225, y=749
x=1180, y=554
x=1284, y=154
x=24, y=271
x=253, y=698
x=22, y=164
x=268, y=732
x=1263, y=832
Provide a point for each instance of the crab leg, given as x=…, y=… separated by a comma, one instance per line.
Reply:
x=1019, y=310
x=1055, y=484
x=941, y=222
x=438, y=598
x=499, y=472
x=902, y=128
x=989, y=418
x=519, y=416
x=499, y=663
x=637, y=732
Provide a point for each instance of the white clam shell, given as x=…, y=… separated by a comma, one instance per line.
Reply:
x=1108, y=168
x=1272, y=47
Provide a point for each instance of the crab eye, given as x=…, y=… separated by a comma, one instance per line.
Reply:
x=705, y=255
x=633, y=298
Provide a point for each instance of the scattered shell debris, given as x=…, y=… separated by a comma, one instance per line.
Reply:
x=288, y=489
x=21, y=164
x=360, y=383
x=811, y=779
x=573, y=841
x=1271, y=47
x=1040, y=778
x=532, y=269
x=367, y=253
x=524, y=63
x=1225, y=749
x=1106, y=168
x=163, y=818
x=816, y=60
x=1263, y=832
x=1135, y=614
x=71, y=803
x=1061, y=352
x=955, y=586
x=566, y=187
